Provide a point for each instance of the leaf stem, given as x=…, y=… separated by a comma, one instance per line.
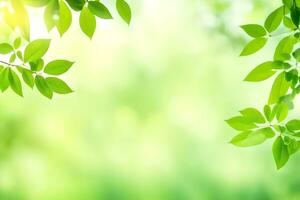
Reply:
x=9, y=64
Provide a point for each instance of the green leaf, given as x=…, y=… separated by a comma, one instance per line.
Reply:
x=295, y=15
x=51, y=14
x=293, y=125
x=99, y=10
x=58, y=86
x=293, y=146
x=43, y=86
x=125, y=12
x=254, y=46
x=268, y=113
x=253, y=115
x=37, y=65
x=15, y=82
x=282, y=111
x=76, y=5
x=36, y=50
x=12, y=58
x=35, y=3
x=279, y=88
x=274, y=19
x=20, y=55
x=65, y=18
x=27, y=77
x=58, y=67
x=284, y=47
x=261, y=72
x=289, y=23
x=287, y=3
x=249, y=138
x=4, y=82
x=280, y=152
x=6, y=48
x=296, y=54
x=87, y=22
x=17, y=43
x=20, y=13
x=241, y=123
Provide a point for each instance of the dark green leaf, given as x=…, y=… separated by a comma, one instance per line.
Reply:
x=99, y=10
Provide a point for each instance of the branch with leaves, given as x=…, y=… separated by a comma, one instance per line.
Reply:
x=25, y=57
x=256, y=127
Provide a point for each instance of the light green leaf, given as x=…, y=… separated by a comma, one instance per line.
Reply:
x=6, y=48
x=280, y=152
x=15, y=82
x=240, y=123
x=4, y=82
x=65, y=18
x=279, y=88
x=253, y=115
x=268, y=113
x=293, y=146
x=254, y=46
x=58, y=86
x=282, y=111
x=261, y=72
x=20, y=55
x=293, y=125
x=36, y=3
x=51, y=14
x=36, y=50
x=43, y=86
x=274, y=19
x=87, y=22
x=22, y=18
x=12, y=58
x=125, y=12
x=58, y=67
x=289, y=23
x=284, y=47
x=27, y=77
x=17, y=43
x=250, y=138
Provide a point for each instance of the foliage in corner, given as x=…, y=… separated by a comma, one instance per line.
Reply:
x=25, y=58
x=255, y=127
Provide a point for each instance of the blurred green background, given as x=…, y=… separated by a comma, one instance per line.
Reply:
x=146, y=121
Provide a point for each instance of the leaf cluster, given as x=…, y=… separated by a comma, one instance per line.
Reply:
x=256, y=127
x=25, y=57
